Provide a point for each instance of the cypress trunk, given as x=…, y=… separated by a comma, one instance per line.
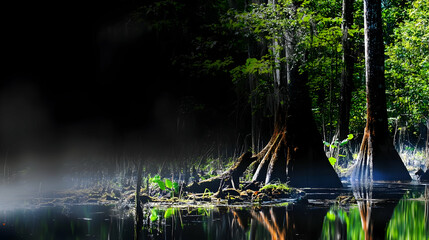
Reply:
x=295, y=152
x=377, y=159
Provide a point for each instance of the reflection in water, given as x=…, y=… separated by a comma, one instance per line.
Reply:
x=294, y=221
x=371, y=218
x=376, y=217
x=376, y=208
x=339, y=224
x=76, y=222
x=409, y=220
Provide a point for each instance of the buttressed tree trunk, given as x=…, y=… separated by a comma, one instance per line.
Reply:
x=295, y=152
x=377, y=160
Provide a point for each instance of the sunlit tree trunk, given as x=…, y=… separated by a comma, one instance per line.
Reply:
x=377, y=159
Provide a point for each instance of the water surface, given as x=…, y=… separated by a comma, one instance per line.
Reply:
x=386, y=211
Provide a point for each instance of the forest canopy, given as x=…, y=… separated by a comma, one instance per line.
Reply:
x=245, y=42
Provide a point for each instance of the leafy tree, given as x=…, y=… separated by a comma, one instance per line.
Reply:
x=408, y=68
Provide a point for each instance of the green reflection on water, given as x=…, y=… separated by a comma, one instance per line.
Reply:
x=340, y=223
x=409, y=220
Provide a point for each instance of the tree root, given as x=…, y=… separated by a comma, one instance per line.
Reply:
x=229, y=178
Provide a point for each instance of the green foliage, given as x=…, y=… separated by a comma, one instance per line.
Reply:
x=157, y=179
x=169, y=212
x=332, y=160
x=154, y=215
x=333, y=152
x=408, y=67
x=167, y=184
x=218, y=46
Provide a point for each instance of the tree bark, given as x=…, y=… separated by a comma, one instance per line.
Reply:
x=377, y=159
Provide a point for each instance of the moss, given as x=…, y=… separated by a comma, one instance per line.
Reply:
x=279, y=187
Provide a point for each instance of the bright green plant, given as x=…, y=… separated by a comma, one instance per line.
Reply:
x=169, y=212
x=154, y=214
x=334, y=149
x=167, y=184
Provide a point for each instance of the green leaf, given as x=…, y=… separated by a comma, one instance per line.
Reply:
x=350, y=136
x=168, y=183
x=344, y=142
x=333, y=146
x=341, y=155
x=326, y=143
x=154, y=215
x=161, y=184
x=155, y=178
x=306, y=19
x=332, y=160
x=168, y=213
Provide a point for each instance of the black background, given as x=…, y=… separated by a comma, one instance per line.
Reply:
x=77, y=76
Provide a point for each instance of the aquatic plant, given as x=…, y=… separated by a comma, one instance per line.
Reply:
x=167, y=184
x=333, y=152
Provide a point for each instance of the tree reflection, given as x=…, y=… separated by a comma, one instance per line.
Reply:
x=294, y=221
x=369, y=220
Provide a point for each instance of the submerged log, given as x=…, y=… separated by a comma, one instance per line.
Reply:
x=228, y=178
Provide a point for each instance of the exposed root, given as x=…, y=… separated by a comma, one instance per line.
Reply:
x=228, y=178
x=378, y=161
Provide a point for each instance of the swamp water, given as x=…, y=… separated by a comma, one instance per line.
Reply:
x=383, y=211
